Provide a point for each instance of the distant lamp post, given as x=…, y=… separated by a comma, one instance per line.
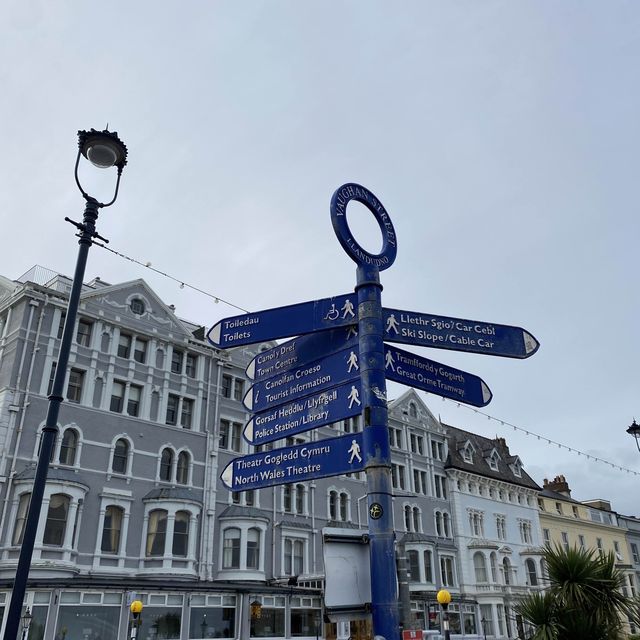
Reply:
x=444, y=598
x=26, y=623
x=104, y=150
x=634, y=430
x=203, y=627
x=483, y=622
x=136, y=609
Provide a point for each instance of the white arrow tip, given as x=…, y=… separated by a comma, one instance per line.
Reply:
x=247, y=401
x=248, y=431
x=227, y=476
x=530, y=343
x=251, y=370
x=214, y=334
x=486, y=393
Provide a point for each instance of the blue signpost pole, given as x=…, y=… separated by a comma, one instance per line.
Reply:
x=377, y=453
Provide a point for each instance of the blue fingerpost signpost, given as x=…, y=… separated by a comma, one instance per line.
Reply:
x=337, y=368
x=376, y=449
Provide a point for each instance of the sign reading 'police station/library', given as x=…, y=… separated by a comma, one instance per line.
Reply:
x=428, y=375
x=310, y=412
x=330, y=457
x=301, y=350
x=442, y=332
x=305, y=380
x=283, y=322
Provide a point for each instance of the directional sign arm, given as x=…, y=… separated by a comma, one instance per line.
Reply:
x=443, y=332
x=414, y=371
x=282, y=322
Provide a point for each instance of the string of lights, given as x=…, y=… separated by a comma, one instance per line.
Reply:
x=560, y=445
x=528, y=432
x=182, y=283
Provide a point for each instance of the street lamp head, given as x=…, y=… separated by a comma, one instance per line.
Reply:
x=634, y=430
x=26, y=618
x=443, y=596
x=136, y=607
x=103, y=148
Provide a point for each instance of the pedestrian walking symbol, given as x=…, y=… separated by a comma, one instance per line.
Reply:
x=392, y=324
x=354, y=396
x=354, y=451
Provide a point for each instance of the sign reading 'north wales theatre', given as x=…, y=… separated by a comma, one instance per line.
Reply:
x=330, y=457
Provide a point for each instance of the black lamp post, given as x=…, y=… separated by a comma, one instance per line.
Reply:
x=634, y=430
x=103, y=149
x=484, y=627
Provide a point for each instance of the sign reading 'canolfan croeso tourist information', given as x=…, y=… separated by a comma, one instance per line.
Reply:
x=282, y=322
x=442, y=332
x=428, y=375
x=301, y=381
x=317, y=410
x=300, y=351
x=330, y=457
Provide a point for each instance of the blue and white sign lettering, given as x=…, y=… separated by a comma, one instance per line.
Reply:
x=441, y=332
x=301, y=350
x=339, y=201
x=414, y=371
x=283, y=322
x=303, y=381
x=303, y=462
x=310, y=412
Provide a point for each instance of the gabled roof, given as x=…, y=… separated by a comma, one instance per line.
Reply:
x=399, y=408
x=158, y=311
x=480, y=465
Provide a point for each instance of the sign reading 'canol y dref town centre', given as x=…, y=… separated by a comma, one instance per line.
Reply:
x=310, y=412
x=300, y=351
x=283, y=322
x=330, y=457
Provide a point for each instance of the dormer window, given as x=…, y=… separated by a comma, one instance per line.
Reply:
x=492, y=460
x=467, y=454
x=517, y=470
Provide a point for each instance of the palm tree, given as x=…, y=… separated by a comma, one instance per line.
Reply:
x=584, y=600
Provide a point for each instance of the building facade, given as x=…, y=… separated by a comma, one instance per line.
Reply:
x=497, y=528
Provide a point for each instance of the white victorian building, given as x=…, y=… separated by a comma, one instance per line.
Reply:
x=497, y=530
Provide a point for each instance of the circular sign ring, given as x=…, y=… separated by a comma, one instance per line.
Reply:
x=339, y=201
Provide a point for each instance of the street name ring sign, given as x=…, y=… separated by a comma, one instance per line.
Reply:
x=339, y=201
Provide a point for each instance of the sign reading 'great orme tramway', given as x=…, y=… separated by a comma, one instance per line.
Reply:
x=317, y=379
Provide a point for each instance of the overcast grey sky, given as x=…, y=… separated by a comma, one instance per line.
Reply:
x=502, y=137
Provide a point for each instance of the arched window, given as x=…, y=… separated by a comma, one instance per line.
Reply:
x=300, y=499
x=21, y=518
x=181, y=534
x=56, y=524
x=293, y=557
x=413, y=410
x=231, y=549
x=446, y=525
x=120, y=456
x=438, y=523
x=506, y=568
x=253, y=548
x=333, y=505
x=416, y=519
x=68, y=447
x=344, y=507
x=493, y=562
x=480, y=567
x=287, y=504
x=156, y=533
x=531, y=572
x=407, y=518
x=111, y=529
x=166, y=462
x=182, y=471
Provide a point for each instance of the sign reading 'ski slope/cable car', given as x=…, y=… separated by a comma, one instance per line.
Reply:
x=282, y=322
x=330, y=457
x=442, y=332
x=301, y=350
x=428, y=375
x=301, y=381
x=310, y=412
